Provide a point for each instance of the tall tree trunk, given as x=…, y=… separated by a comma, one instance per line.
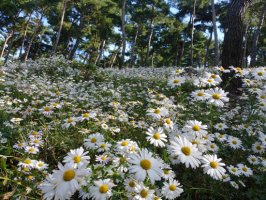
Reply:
x=24, y=35
x=60, y=26
x=123, y=33
x=217, y=54
x=113, y=60
x=149, y=38
x=10, y=35
x=75, y=47
x=192, y=33
x=233, y=43
x=9, y=49
x=245, y=46
x=133, y=47
x=37, y=28
x=256, y=37
x=99, y=57
x=208, y=48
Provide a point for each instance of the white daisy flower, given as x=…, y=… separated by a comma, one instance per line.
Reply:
x=171, y=189
x=195, y=127
x=245, y=170
x=93, y=140
x=102, y=189
x=176, y=81
x=213, y=166
x=234, y=170
x=199, y=95
x=186, y=153
x=77, y=157
x=257, y=147
x=67, y=179
x=143, y=165
x=157, y=113
x=217, y=96
x=156, y=137
x=234, y=142
x=143, y=193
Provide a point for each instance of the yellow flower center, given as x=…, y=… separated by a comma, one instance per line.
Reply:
x=263, y=96
x=260, y=74
x=210, y=80
x=40, y=164
x=86, y=115
x=34, y=133
x=214, y=164
x=176, y=81
x=166, y=171
x=157, y=136
x=196, y=128
x=131, y=184
x=157, y=111
x=234, y=142
x=103, y=188
x=77, y=159
x=172, y=187
x=216, y=96
x=200, y=94
x=244, y=169
x=124, y=143
x=233, y=169
x=69, y=175
x=212, y=146
x=213, y=75
x=168, y=121
x=145, y=164
x=143, y=193
x=186, y=151
x=104, y=157
x=93, y=140
x=69, y=120
x=27, y=161
x=103, y=146
x=36, y=141
x=122, y=160
x=258, y=147
x=20, y=144
x=46, y=109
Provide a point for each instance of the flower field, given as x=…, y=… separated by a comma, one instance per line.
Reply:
x=69, y=132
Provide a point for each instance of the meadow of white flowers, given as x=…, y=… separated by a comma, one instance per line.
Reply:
x=142, y=133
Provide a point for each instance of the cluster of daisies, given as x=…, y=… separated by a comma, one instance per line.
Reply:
x=128, y=153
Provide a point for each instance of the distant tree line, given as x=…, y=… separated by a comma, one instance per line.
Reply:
x=131, y=33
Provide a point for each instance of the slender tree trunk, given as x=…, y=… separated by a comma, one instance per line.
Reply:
x=217, y=53
x=123, y=16
x=208, y=49
x=256, y=37
x=177, y=51
x=133, y=48
x=150, y=38
x=180, y=53
x=10, y=35
x=113, y=60
x=24, y=35
x=102, y=45
x=233, y=43
x=60, y=26
x=9, y=49
x=37, y=28
x=245, y=46
x=192, y=32
x=75, y=47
